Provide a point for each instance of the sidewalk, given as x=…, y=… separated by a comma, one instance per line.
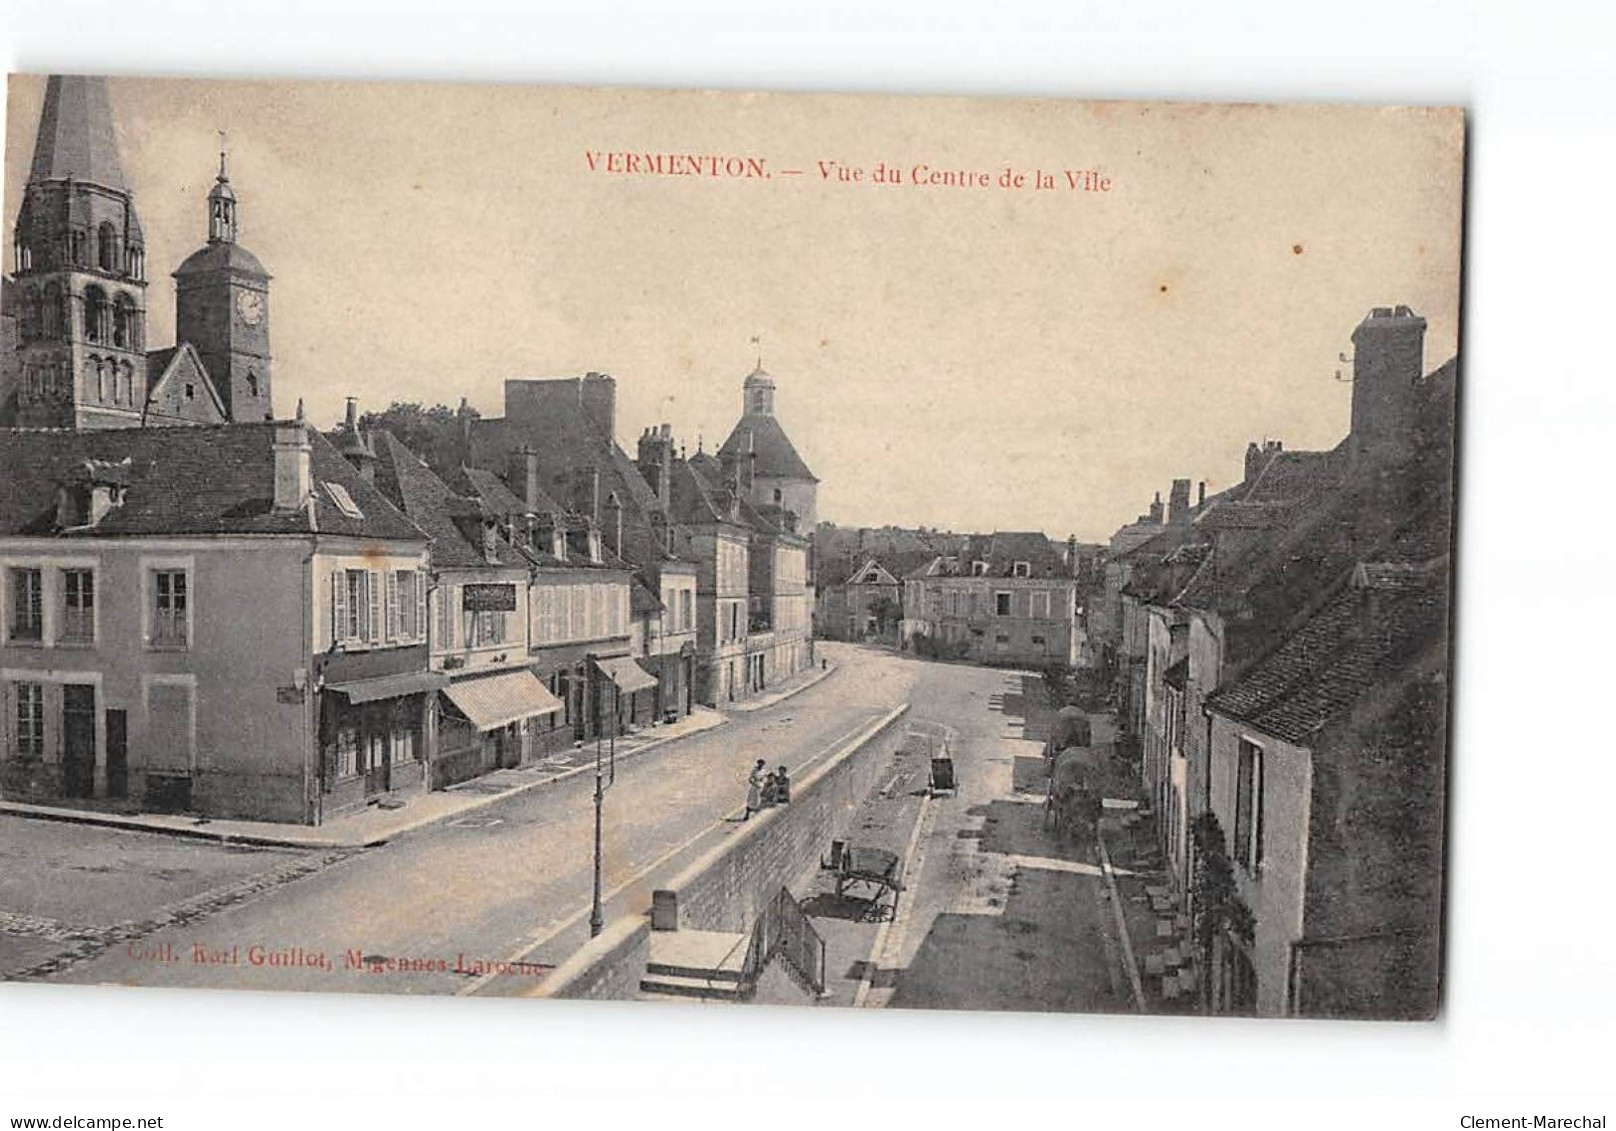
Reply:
x=793, y=686
x=374, y=826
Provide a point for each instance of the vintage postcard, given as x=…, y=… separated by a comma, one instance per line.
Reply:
x=727, y=548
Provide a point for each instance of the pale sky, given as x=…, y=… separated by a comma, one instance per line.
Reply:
x=973, y=359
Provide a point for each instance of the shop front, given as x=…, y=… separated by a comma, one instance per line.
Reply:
x=491, y=722
x=373, y=738
x=628, y=692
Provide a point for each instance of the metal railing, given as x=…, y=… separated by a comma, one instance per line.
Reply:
x=783, y=929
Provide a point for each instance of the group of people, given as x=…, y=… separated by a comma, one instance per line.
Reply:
x=765, y=787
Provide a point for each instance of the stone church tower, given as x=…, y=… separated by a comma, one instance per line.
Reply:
x=80, y=271
x=222, y=309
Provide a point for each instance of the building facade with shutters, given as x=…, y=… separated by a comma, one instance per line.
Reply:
x=208, y=620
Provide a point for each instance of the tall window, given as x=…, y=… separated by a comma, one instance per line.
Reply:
x=1040, y=605
x=356, y=605
x=170, y=623
x=97, y=315
x=28, y=737
x=483, y=629
x=686, y=619
x=1001, y=604
x=446, y=616
x=78, y=606
x=1248, y=800
x=106, y=248
x=123, y=323
x=27, y=605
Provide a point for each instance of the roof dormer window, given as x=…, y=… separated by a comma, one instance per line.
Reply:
x=345, y=504
x=979, y=569
x=1021, y=569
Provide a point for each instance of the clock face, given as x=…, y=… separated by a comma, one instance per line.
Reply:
x=250, y=307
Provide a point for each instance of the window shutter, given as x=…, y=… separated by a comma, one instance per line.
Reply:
x=390, y=631
x=419, y=579
x=375, y=600
x=339, y=605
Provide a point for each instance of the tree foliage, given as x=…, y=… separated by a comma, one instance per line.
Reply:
x=431, y=432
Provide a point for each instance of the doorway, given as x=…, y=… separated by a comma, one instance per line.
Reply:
x=118, y=753
x=78, y=739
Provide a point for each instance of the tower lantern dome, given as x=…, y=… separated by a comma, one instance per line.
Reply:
x=758, y=393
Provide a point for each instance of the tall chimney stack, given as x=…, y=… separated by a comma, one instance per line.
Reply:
x=1178, y=503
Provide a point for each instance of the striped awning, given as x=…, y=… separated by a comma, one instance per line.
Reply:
x=499, y=700
x=628, y=675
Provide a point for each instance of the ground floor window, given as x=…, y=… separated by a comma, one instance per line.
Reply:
x=28, y=739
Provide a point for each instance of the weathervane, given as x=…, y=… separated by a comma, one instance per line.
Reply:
x=223, y=138
x=757, y=340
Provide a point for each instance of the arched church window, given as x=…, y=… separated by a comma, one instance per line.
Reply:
x=77, y=248
x=252, y=382
x=100, y=368
x=97, y=315
x=137, y=262
x=106, y=247
x=53, y=319
x=123, y=323
x=24, y=257
x=126, y=383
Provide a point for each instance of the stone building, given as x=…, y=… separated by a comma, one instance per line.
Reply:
x=224, y=620
x=80, y=358
x=1005, y=598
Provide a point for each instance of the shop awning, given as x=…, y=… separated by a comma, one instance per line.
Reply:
x=500, y=700
x=390, y=686
x=628, y=675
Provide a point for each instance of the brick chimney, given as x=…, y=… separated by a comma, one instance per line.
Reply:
x=292, y=465
x=1178, y=503
x=656, y=462
x=586, y=491
x=522, y=475
x=1387, y=365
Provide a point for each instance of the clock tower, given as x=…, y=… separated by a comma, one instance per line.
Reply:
x=222, y=309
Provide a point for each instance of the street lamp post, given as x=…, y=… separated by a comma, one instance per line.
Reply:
x=597, y=918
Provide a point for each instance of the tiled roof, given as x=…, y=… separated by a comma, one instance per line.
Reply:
x=1360, y=637
x=491, y=489
x=776, y=457
x=430, y=504
x=217, y=479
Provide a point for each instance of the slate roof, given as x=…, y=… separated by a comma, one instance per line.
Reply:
x=491, y=489
x=1362, y=636
x=76, y=137
x=211, y=479
x=430, y=503
x=776, y=457
x=222, y=255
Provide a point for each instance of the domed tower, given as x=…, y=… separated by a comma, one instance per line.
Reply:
x=771, y=471
x=222, y=308
x=80, y=270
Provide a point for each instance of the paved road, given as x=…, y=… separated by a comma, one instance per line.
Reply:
x=445, y=901
x=998, y=913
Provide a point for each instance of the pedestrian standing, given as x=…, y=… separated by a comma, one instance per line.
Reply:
x=754, y=789
x=782, y=787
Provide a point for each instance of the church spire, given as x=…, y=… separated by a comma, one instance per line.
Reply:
x=76, y=140
x=222, y=203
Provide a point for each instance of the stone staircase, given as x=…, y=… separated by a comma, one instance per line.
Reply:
x=699, y=965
